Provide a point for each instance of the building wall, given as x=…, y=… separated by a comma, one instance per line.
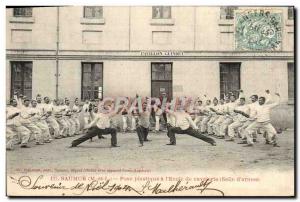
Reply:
x=43, y=78
x=114, y=33
x=127, y=78
x=203, y=30
x=69, y=79
x=142, y=28
x=196, y=78
x=257, y=76
x=42, y=29
x=207, y=31
x=127, y=30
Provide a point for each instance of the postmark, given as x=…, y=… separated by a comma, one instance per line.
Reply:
x=258, y=30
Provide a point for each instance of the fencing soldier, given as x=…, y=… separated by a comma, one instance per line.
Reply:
x=213, y=116
x=68, y=117
x=58, y=112
x=229, y=114
x=49, y=109
x=222, y=116
x=29, y=122
x=15, y=130
x=185, y=125
x=242, y=113
x=252, y=112
x=39, y=120
x=206, y=112
x=86, y=114
x=143, y=124
x=262, y=121
x=198, y=113
x=76, y=110
x=93, y=114
x=214, y=122
x=101, y=124
x=171, y=119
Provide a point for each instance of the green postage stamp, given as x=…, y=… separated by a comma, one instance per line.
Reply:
x=258, y=30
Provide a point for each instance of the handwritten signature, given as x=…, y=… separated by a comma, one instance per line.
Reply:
x=155, y=188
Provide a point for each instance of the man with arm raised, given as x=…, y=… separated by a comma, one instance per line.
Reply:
x=262, y=120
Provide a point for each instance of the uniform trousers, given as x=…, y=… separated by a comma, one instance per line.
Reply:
x=94, y=131
x=190, y=131
x=142, y=133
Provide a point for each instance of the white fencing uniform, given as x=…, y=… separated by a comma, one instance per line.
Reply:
x=228, y=118
x=26, y=121
x=63, y=125
x=198, y=115
x=219, y=120
x=43, y=123
x=205, y=120
x=239, y=120
x=15, y=132
x=67, y=115
x=171, y=120
x=86, y=114
x=39, y=120
x=76, y=111
x=252, y=113
x=213, y=117
x=263, y=121
x=51, y=121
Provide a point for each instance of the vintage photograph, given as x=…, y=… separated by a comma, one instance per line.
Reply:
x=150, y=101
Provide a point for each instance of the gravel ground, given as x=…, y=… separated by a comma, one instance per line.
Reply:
x=188, y=154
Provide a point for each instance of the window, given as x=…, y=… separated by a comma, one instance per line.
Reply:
x=23, y=12
x=161, y=79
x=291, y=72
x=93, y=12
x=227, y=12
x=161, y=12
x=229, y=78
x=21, y=78
x=290, y=13
x=92, y=81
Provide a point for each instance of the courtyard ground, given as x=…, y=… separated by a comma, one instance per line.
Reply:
x=188, y=154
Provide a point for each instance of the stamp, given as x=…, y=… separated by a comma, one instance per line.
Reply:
x=258, y=30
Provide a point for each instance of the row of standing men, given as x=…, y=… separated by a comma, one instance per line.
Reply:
x=225, y=117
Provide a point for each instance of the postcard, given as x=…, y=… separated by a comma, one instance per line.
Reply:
x=150, y=101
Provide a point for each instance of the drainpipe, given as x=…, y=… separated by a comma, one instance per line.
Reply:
x=56, y=53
